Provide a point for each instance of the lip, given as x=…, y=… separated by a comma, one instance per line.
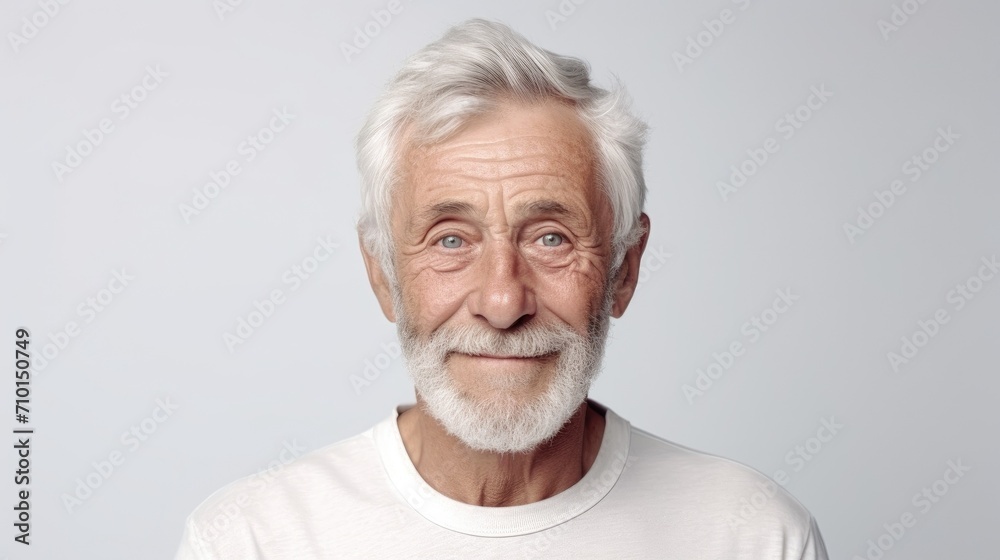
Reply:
x=516, y=358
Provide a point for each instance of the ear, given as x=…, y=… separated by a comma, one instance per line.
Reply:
x=628, y=275
x=379, y=282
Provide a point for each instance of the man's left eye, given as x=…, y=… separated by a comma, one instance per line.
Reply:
x=552, y=240
x=451, y=241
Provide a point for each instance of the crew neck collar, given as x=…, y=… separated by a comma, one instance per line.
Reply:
x=505, y=521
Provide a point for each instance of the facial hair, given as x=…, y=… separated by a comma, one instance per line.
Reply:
x=500, y=422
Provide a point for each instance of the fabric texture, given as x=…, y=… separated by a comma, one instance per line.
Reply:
x=644, y=497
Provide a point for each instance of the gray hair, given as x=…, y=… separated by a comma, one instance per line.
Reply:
x=473, y=68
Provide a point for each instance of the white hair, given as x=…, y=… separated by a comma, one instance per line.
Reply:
x=469, y=72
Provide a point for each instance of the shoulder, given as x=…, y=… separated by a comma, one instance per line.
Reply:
x=716, y=492
x=321, y=483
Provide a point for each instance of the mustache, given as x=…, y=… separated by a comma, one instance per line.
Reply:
x=528, y=341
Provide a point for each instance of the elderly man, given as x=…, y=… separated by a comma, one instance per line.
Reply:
x=501, y=228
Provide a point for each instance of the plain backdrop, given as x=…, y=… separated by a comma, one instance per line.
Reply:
x=815, y=215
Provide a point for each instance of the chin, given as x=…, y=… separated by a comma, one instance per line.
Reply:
x=503, y=419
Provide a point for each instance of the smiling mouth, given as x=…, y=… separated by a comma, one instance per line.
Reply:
x=498, y=357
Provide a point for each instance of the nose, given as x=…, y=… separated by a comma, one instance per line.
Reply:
x=503, y=295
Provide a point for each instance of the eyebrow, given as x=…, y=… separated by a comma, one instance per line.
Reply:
x=549, y=207
x=446, y=208
x=459, y=208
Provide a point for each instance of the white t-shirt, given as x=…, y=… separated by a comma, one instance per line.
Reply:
x=644, y=497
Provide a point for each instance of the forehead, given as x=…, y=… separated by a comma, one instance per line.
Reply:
x=516, y=148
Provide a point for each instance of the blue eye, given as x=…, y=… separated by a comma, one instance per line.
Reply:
x=552, y=239
x=451, y=241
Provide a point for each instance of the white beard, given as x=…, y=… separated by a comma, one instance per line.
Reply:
x=500, y=422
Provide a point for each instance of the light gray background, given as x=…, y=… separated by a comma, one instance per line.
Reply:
x=162, y=336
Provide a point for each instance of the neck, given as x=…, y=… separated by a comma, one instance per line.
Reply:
x=494, y=479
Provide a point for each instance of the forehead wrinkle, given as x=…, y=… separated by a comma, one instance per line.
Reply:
x=487, y=170
x=480, y=160
x=504, y=158
x=512, y=146
x=455, y=189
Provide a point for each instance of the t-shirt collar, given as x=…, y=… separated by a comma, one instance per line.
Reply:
x=511, y=520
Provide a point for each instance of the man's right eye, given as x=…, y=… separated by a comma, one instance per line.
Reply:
x=451, y=242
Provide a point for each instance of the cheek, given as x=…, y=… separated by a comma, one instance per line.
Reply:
x=432, y=298
x=572, y=294
x=585, y=275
